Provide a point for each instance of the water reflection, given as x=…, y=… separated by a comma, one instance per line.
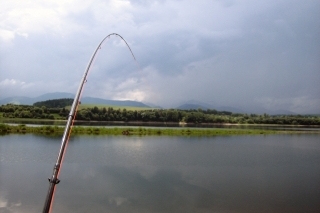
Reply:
x=277, y=173
x=126, y=190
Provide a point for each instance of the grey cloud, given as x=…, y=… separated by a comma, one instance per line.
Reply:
x=237, y=53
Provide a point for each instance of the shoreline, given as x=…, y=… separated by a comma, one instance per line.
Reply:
x=144, y=123
x=145, y=131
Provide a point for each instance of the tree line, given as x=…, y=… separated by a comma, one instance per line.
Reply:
x=155, y=115
x=55, y=103
x=28, y=111
x=81, y=130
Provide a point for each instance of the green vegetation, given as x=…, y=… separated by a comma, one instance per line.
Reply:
x=67, y=102
x=140, y=131
x=101, y=106
x=153, y=115
x=27, y=111
x=56, y=103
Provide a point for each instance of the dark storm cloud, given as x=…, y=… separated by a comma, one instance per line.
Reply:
x=247, y=54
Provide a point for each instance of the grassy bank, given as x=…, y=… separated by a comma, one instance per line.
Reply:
x=78, y=130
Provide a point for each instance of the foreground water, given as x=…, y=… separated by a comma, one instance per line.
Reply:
x=274, y=173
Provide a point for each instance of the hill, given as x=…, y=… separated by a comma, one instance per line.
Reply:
x=55, y=103
x=91, y=100
x=191, y=104
x=21, y=100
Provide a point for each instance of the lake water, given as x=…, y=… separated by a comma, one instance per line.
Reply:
x=274, y=173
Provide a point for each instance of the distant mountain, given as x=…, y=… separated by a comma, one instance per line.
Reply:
x=193, y=104
x=91, y=100
x=17, y=100
x=57, y=95
x=29, y=101
x=153, y=105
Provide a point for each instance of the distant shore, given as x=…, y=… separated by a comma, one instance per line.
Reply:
x=137, y=123
x=143, y=131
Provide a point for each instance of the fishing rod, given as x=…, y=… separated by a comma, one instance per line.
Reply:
x=53, y=181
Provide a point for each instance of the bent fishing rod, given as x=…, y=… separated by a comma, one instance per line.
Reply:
x=53, y=181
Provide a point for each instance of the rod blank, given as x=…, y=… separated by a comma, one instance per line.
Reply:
x=53, y=181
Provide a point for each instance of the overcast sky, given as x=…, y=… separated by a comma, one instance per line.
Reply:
x=238, y=53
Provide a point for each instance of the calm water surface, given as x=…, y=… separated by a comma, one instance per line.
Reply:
x=275, y=173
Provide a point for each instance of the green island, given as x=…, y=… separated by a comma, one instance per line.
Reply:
x=141, y=131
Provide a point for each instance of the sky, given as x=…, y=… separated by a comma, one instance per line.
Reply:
x=240, y=53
